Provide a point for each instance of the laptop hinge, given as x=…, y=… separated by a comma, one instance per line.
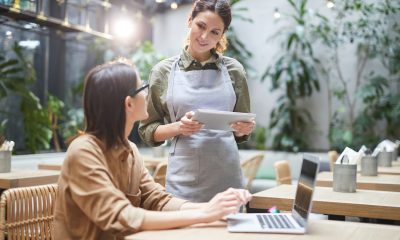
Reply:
x=301, y=223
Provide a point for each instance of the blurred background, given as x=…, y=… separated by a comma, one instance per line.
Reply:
x=322, y=74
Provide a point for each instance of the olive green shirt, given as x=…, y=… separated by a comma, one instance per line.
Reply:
x=158, y=80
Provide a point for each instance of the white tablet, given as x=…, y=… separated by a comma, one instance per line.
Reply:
x=220, y=120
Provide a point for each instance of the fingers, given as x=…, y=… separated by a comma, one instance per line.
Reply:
x=224, y=203
x=188, y=126
x=189, y=115
x=244, y=128
x=241, y=195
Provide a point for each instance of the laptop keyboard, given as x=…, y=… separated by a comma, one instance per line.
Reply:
x=275, y=221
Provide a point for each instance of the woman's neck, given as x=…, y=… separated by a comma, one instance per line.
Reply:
x=128, y=129
x=200, y=57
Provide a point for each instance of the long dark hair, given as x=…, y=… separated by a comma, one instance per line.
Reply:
x=220, y=7
x=106, y=87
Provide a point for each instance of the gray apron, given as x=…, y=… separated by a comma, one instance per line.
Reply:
x=207, y=162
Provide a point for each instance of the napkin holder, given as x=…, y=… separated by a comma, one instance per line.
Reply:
x=369, y=166
x=385, y=159
x=344, y=176
x=5, y=161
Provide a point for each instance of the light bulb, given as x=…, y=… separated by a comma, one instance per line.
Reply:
x=329, y=4
x=174, y=5
x=9, y=34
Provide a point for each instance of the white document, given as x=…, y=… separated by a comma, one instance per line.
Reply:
x=354, y=157
x=362, y=150
x=220, y=120
x=385, y=145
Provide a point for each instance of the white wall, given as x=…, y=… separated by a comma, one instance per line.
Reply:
x=170, y=29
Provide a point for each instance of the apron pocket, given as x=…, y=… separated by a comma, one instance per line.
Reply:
x=183, y=167
x=135, y=199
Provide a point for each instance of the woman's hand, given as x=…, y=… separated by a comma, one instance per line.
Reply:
x=225, y=203
x=243, y=128
x=187, y=126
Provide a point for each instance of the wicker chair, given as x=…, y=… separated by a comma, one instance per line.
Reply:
x=27, y=213
x=160, y=173
x=333, y=156
x=282, y=171
x=250, y=168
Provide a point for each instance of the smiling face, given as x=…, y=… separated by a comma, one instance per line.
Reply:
x=206, y=29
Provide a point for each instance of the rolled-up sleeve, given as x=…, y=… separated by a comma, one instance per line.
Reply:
x=93, y=192
x=157, y=81
x=154, y=196
x=239, y=82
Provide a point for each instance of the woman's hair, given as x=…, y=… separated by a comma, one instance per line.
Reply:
x=220, y=7
x=106, y=87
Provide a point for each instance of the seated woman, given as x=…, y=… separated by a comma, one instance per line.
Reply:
x=105, y=192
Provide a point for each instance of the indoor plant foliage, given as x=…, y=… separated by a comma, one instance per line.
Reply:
x=294, y=72
x=16, y=76
x=236, y=48
x=374, y=31
x=145, y=58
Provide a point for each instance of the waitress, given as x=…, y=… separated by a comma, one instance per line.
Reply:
x=201, y=162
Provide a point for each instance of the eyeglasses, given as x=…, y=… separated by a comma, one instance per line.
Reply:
x=134, y=92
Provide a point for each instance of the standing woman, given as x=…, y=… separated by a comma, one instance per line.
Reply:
x=201, y=162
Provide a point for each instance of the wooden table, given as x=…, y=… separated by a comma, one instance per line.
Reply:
x=362, y=203
x=149, y=161
x=380, y=182
x=393, y=170
x=317, y=230
x=26, y=178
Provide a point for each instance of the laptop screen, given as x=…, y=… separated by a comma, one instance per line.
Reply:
x=305, y=187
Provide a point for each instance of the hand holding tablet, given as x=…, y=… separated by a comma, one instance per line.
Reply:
x=221, y=120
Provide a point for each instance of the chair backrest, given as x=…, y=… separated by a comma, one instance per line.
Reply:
x=333, y=156
x=160, y=173
x=28, y=212
x=282, y=171
x=250, y=168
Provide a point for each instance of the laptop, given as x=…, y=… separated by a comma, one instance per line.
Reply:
x=294, y=222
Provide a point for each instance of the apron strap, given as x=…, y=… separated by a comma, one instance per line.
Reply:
x=169, y=101
x=228, y=82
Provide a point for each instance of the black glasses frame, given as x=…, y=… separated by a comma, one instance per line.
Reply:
x=134, y=92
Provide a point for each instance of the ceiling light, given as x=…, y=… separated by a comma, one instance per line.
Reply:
x=174, y=5
x=123, y=28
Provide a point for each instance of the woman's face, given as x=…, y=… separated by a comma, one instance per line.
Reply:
x=140, y=104
x=206, y=29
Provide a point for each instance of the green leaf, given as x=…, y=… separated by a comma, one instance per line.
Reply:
x=348, y=136
x=292, y=37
